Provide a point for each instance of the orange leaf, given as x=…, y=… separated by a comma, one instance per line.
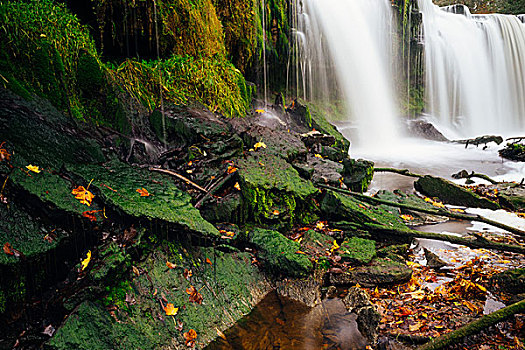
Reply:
x=90, y=214
x=237, y=186
x=208, y=261
x=300, y=252
x=195, y=296
x=187, y=274
x=170, y=309
x=3, y=153
x=83, y=195
x=143, y=192
x=190, y=337
x=170, y=265
x=8, y=249
x=231, y=169
x=275, y=212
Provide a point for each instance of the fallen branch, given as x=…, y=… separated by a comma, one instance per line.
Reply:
x=439, y=212
x=214, y=189
x=169, y=172
x=463, y=174
x=405, y=172
x=474, y=327
x=477, y=242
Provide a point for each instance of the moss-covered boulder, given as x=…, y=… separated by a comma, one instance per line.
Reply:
x=228, y=283
x=358, y=251
x=274, y=193
x=514, y=151
x=118, y=183
x=280, y=254
x=358, y=174
x=339, y=207
x=279, y=143
x=451, y=193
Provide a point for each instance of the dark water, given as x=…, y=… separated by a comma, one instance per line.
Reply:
x=280, y=323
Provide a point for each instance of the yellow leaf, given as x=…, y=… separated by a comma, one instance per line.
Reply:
x=170, y=265
x=320, y=225
x=170, y=309
x=83, y=195
x=86, y=261
x=260, y=111
x=407, y=217
x=317, y=155
x=334, y=246
x=259, y=145
x=237, y=186
x=231, y=169
x=33, y=168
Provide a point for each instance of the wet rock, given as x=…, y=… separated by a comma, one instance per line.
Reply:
x=398, y=252
x=358, y=174
x=279, y=253
x=451, y=193
x=425, y=130
x=338, y=207
x=382, y=271
x=511, y=281
x=514, y=151
x=511, y=196
x=314, y=137
x=357, y=251
x=331, y=292
x=306, y=291
x=223, y=209
x=273, y=193
x=418, y=218
x=325, y=171
x=117, y=184
x=433, y=261
x=281, y=143
x=305, y=170
x=358, y=302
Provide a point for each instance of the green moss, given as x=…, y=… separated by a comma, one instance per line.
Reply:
x=358, y=250
x=280, y=253
x=117, y=184
x=269, y=183
x=90, y=78
x=318, y=116
x=340, y=207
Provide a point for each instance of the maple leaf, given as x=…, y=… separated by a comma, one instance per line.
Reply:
x=86, y=261
x=187, y=274
x=33, y=168
x=407, y=217
x=8, y=249
x=260, y=111
x=317, y=155
x=170, y=265
x=195, y=296
x=275, y=212
x=321, y=225
x=143, y=192
x=83, y=195
x=237, y=186
x=231, y=169
x=208, y=261
x=190, y=337
x=170, y=309
x=334, y=247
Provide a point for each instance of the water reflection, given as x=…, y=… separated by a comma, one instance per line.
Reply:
x=281, y=323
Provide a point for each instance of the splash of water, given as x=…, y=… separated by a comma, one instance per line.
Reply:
x=475, y=70
x=357, y=34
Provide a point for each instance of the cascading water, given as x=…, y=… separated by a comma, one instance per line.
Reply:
x=475, y=70
x=358, y=35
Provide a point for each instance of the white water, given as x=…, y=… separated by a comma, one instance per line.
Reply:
x=358, y=35
x=475, y=70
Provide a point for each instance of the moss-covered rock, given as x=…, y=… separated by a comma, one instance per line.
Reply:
x=279, y=253
x=358, y=174
x=229, y=284
x=358, y=251
x=511, y=196
x=118, y=182
x=274, y=193
x=338, y=207
x=451, y=193
x=382, y=271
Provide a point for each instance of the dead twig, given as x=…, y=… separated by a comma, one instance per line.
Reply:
x=180, y=177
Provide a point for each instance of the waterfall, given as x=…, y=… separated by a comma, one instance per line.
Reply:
x=475, y=68
x=357, y=35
